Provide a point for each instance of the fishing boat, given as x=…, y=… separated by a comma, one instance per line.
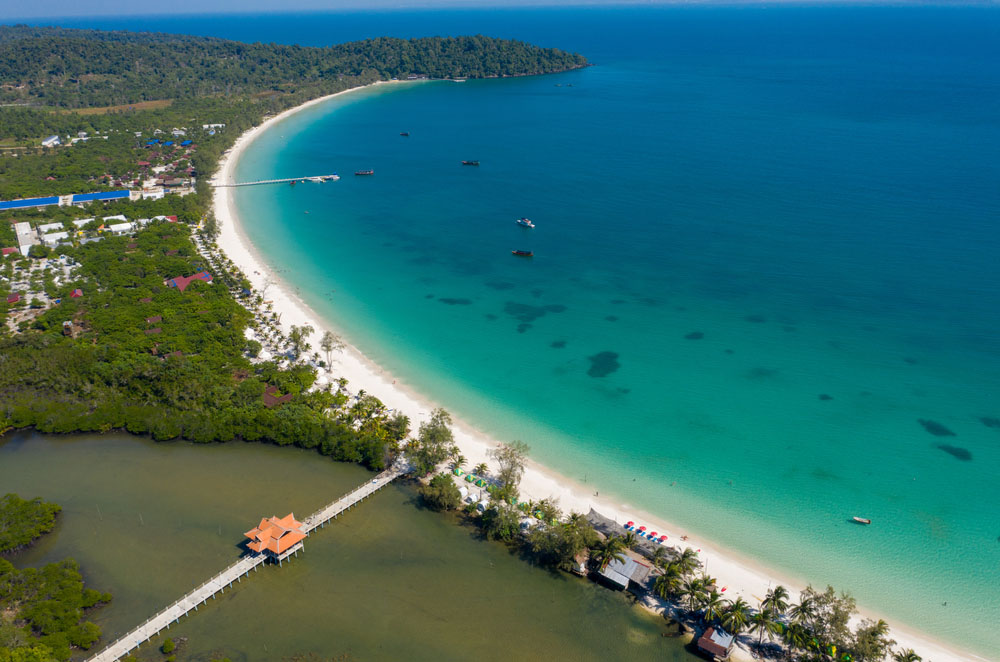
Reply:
x=526, y=222
x=331, y=178
x=523, y=253
x=405, y=134
x=361, y=173
x=472, y=163
x=862, y=520
x=291, y=183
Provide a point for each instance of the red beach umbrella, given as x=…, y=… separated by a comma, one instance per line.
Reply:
x=653, y=534
x=630, y=523
x=642, y=528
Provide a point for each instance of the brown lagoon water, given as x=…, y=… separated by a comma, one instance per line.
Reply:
x=149, y=521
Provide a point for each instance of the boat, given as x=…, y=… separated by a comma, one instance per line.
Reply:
x=361, y=173
x=331, y=178
x=526, y=222
x=318, y=180
x=405, y=134
x=862, y=520
x=523, y=253
x=472, y=163
x=291, y=183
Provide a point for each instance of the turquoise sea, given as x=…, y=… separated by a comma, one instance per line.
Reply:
x=766, y=287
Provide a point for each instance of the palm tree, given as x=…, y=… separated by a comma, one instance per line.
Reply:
x=906, y=655
x=804, y=613
x=776, y=601
x=669, y=583
x=713, y=605
x=480, y=469
x=688, y=561
x=612, y=549
x=630, y=540
x=737, y=617
x=762, y=623
x=797, y=637
x=693, y=591
x=458, y=462
x=659, y=557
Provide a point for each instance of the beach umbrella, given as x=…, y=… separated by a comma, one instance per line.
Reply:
x=629, y=524
x=642, y=528
x=652, y=535
x=662, y=538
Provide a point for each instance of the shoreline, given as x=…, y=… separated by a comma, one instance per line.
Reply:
x=742, y=576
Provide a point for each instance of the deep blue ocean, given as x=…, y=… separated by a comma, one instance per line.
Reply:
x=765, y=295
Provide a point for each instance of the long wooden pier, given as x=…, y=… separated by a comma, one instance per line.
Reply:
x=308, y=178
x=235, y=573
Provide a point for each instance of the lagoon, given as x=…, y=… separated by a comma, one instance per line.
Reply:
x=147, y=521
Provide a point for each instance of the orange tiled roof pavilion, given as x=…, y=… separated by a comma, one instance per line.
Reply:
x=275, y=535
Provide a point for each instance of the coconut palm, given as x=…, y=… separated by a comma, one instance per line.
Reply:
x=659, y=557
x=612, y=549
x=805, y=612
x=668, y=585
x=737, y=617
x=458, y=462
x=797, y=637
x=906, y=655
x=630, y=540
x=761, y=623
x=688, y=561
x=714, y=606
x=693, y=592
x=776, y=601
x=480, y=469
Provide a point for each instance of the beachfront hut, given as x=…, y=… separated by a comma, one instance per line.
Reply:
x=463, y=491
x=629, y=574
x=716, y=643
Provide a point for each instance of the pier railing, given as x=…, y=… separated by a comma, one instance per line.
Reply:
x=200, y=594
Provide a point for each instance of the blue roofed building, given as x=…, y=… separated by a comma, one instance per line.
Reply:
x=185, y=143
x=27, y=203
x=106, y=195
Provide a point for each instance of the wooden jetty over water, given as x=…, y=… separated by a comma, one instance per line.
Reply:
x=308, y=178
x=235, y=573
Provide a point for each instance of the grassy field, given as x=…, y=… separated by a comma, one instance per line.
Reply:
x=141, y=105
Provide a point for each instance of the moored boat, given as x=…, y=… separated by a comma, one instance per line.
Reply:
x=361, y=173
x=523, y=253
x=471, y=163
x=526, y=222
x=331, y=178
x=862, y=520
x=405, y=134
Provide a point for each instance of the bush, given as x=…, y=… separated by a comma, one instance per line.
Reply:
x=168, y=646
x=441, y=493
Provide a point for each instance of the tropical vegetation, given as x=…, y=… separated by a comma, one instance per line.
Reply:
x=22, y=521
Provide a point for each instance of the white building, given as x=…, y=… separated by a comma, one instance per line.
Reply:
x=111, y=219
x=83, y=221
x=49, y=227
x=54, y=238
x=143, y=222
x=26, y=237
x=213, y=126
x=178, y=132
x=51, y=141
x=153, y=194
x=120, y=228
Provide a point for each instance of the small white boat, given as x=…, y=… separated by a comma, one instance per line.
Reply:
x=862, y=520
x=526, y=222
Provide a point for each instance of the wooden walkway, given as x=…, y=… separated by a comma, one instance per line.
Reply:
x=237, y=571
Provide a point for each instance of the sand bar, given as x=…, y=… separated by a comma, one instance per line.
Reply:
x=741, y=576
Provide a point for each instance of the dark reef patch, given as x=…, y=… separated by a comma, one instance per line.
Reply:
x=694, y=335
x=524, y=326
x=962, y=454
x=824, y=396
x=455, y=302
x=491, y=317
x=755, y=319
x=990, y=421
x=526, y=313
x=680, y=309
x=536, y=292
x=618, y=302
x=500, y=285
x=910, y=360
x=611, y=318
x=557, y=344
x=603, y=364
x=935, y=428
x=728, y=351
x=623, y=390
x=428, y=296
x=761, y=372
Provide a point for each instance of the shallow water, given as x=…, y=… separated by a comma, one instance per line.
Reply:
x=811, y=189
x=388, y=580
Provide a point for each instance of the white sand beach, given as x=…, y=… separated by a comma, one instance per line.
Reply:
x=741, y=577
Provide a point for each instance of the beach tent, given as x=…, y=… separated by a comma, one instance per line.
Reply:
x=469, y=477
x=481, y=506
x=463, y=491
